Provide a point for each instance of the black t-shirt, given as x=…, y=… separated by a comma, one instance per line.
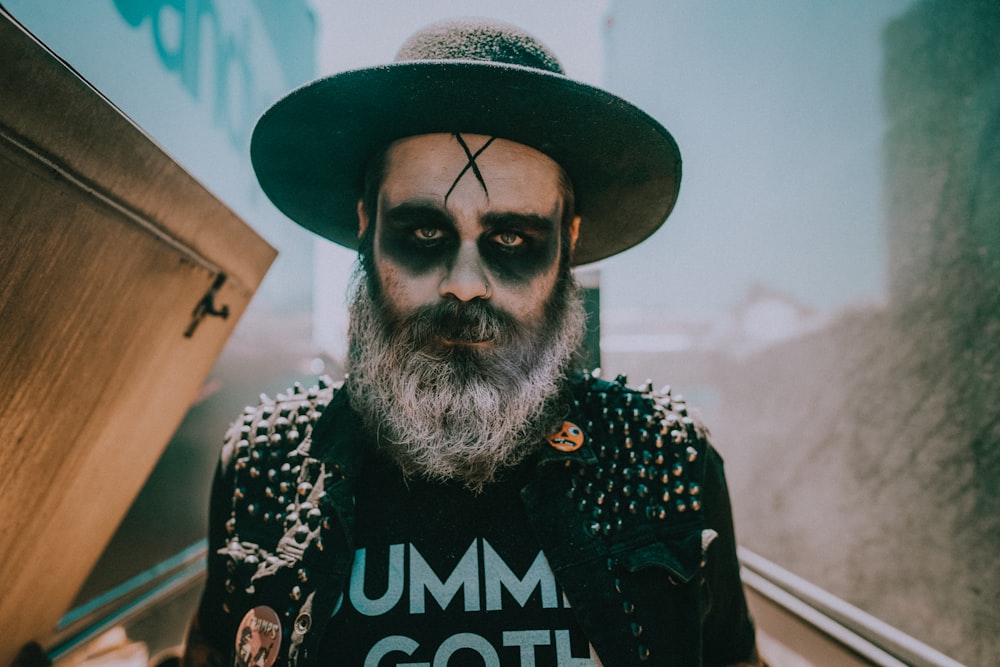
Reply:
x=444, y=577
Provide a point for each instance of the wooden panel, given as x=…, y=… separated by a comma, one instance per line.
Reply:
x=106, y=249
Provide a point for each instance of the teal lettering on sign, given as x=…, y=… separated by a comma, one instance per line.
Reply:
x=181, y=30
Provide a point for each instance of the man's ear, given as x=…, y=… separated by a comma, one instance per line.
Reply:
x=362, y=218
x=574, y=231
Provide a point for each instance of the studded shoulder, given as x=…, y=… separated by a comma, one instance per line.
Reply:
x=278, y=424
x=285, y=535
x=265, y=444
x=649, y=454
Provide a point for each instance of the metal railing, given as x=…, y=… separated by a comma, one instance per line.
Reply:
x=872, y=640
x=129, y=601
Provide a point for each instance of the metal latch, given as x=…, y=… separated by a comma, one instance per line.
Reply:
x=206, y=307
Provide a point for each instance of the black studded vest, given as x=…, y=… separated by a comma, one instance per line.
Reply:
x=627, y=497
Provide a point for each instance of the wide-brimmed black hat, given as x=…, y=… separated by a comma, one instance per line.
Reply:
x=479, y=77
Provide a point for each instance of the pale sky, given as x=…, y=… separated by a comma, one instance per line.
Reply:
x=776, y=105
x=360, y=34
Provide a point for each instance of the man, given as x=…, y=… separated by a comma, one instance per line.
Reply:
x=464, y=497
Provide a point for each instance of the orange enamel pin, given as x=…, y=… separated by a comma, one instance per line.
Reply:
x=568, y=438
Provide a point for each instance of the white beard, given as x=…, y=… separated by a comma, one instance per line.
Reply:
x=460, y=414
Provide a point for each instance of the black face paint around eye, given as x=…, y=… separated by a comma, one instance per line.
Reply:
x=538, y=250
x=403, y=241
x=471, y=164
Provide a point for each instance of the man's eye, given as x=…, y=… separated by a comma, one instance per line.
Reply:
x=428, y=234
x=509, y=239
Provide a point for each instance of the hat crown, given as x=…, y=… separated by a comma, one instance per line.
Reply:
x=479, y=39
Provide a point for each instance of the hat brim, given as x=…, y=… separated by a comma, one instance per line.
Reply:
x=310, y=149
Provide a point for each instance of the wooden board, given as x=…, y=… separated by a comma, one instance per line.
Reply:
x=107, y=248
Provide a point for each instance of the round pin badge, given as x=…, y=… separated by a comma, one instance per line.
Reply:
x=258, y=639
x=567, y=438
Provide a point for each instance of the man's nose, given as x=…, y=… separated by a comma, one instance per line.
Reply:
x=466, y=278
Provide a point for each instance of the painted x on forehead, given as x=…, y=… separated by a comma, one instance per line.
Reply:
x=471, y=164
x=478, y=215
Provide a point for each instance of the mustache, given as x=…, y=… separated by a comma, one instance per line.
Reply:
x=461, y=322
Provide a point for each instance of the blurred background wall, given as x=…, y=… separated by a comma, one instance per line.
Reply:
x=853, y=387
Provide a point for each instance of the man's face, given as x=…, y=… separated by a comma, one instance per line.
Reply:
x=463, y=218
x=466, y=316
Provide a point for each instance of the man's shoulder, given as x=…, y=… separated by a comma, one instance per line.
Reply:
x=608, y=402
x=283, y=422
x=646, y=444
